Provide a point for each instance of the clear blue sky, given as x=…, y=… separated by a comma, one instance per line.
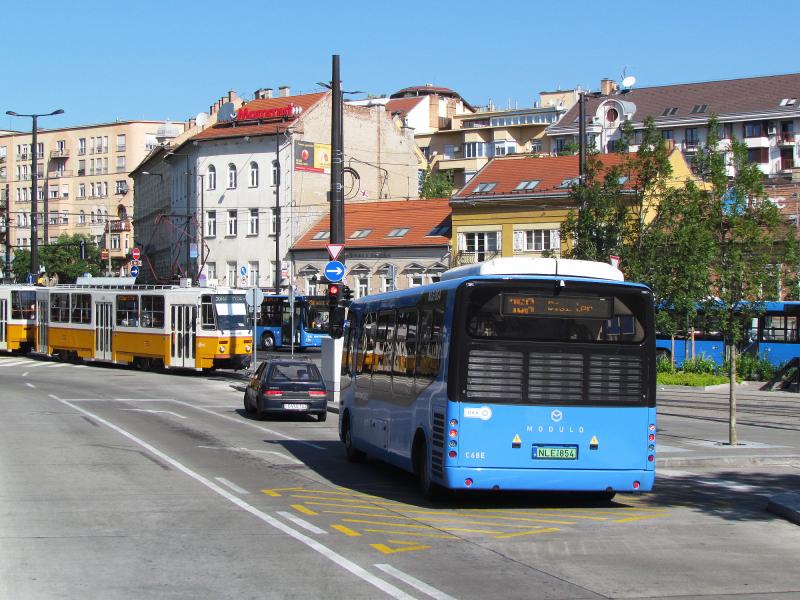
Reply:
x=102, y=60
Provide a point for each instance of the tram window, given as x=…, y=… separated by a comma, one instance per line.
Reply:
x=59, y=308
x=128, y=310
x=207, y=313
x=23, y=305
x=81, y=308
x=153, y=312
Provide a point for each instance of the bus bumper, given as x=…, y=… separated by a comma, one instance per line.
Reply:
x=577, y=480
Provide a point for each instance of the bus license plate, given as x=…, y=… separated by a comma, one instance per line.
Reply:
x=295, y=406
x=556, y=452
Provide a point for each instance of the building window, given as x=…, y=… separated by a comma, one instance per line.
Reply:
x=537, y=240
x=253, y=174
x=362, y=286
x=612, y=114
x=122, y=187
x=691, y=136
x=233, y=224
x=758, y=155
x=121, y=142
x=504, y=147
x=82, y=146
x=53, y=191
x=120, y=164
x=398, y=232
x=536, y=146
x=115, y=241
x=415, y=281
x=753, y=129
x=212, y=177
x=480, y=242
x=275, y=173
x=449, y=152
x=253, y=222
x=360, y=233
x=475, y=150
x=211, y=270
x=253, y=273
x=231, y=176
x=387, y=283
x=667, y=134
x=312, y=289
x=81, y=218
x=273, y=222
x=231, y=276
x=211, y=223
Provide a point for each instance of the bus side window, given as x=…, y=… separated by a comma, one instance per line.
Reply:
x=422, y=363
x=346, y=350
x=367, y=345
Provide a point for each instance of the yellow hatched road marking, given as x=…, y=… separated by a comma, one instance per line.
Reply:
x=410, y=526
x=383, y=548
x=443, y=536
x=352, y=500
x=275, y=492
x=346, y=530
x=454, y=519
x=303, y=509
x=639, y=518
x=353, y=513
x=339, y=505
x=521, y=533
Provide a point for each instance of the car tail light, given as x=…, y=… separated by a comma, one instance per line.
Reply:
x=317, y=393
x=273, y=393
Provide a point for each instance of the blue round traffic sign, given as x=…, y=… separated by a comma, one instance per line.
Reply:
x=134, y=271
x=334, y=271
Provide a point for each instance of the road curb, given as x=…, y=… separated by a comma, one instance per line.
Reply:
x=727, y=461
x=786, y=505
x=333, y=408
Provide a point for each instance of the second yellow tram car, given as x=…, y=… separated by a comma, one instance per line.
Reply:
x=17, y=317
x=146, y=326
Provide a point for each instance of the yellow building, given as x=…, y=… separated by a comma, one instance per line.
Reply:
x=516, y=205
x=83, y=183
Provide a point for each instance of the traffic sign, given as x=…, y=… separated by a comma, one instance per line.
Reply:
x=134, y=271
x=334, y=250
x=334, y=271
x=135, y=254
x=104, y=254
x=136, y=263
x=243, y=270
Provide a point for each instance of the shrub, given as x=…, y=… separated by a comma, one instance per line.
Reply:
x=752, y=368
x=664, y=364
x=702, y=364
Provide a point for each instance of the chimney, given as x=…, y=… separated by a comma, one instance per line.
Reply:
x=263, y=94
x=608, y=87
x=232, y=96
x=284, y=91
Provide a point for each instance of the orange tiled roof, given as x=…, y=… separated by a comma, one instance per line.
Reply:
x=507, y=173
x=225, y=130
x=420, y=216
x=403, y=105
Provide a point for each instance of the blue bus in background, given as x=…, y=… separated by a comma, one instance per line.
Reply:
x=511, y=374
x=773, y=335
x=274, y=322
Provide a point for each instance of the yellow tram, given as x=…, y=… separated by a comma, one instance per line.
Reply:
x=17, y=317
x=146, y=326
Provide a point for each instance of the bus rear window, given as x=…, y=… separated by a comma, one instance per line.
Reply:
x=496, y=312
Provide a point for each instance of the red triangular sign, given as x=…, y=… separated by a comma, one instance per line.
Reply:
x=334, y=250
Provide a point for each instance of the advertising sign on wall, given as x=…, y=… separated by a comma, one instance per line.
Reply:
x=312, y=157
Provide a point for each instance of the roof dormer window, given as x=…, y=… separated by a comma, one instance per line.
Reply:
x=360, y=233
x=788, y=101
x=398, y=232
x=568, y=183
x=484, y=187
x=670, y=111
x=321, y=235
x=526, y=185
x=699, y=109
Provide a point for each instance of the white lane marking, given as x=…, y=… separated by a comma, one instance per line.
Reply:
x=231, y=485
x=35, y=364
x=241, y=421
x=301, y=522
x=731, y=485
x=118, y=399
x=13, y=363
x=30, y=385
x=232, y=449
x=332, y=555
x=149, y=410
x=414, y=582
x=58, y=365
x=25, y=374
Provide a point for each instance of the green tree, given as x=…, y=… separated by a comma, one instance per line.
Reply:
x=438, y=184
x=62, y=258
x=748, y=253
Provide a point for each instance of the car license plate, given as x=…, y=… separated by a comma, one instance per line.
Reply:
x=556, y=452
x=295, y=406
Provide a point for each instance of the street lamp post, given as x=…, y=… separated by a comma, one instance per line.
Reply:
x=34, y=186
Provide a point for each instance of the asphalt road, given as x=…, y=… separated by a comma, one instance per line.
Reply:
x=116, y=483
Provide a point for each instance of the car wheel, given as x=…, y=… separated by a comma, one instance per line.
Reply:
x=259, y=412
x=267, y=341
x=247, y=407
x=353, y=454
x=323, y=416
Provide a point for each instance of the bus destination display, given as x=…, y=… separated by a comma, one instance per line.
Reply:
x=530, y=305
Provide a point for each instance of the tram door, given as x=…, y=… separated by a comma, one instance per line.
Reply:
x=103, y=330
x=3, y=324
x=182, y=335
x=42, y=314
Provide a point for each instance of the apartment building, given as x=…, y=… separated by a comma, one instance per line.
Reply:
x=226, y=202
x=83, y=181
x=763, y=112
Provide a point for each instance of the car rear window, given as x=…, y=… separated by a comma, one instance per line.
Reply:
x=295, y=372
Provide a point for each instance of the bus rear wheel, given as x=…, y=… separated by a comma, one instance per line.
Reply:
x=422, y=468
x=353, y=454
x=267, y=341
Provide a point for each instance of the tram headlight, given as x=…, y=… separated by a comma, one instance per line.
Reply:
x=222, y=348
x=248, y=348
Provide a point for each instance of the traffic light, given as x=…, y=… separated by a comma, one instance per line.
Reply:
x=334, y=293
x=347, y=293
x=82, y=245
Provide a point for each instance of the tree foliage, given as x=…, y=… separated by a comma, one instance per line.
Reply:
x=436, y=184
x=62, y=258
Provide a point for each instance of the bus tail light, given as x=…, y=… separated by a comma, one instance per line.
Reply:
x=468, y=482
x=651, y=437
x=636, y=485
x=650, y=458
x=453, y=433
x=452, y=454
x=273, y=393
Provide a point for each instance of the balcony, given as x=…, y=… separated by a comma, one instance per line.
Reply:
x=121, y=169
x=81, y=172
x=471, y=258
x=120, y=147
x=59, y=174
x=787, y=138
x=23, y=157
x=62, y=153
x=787, y=164
x=117, y=226
x=691, y=145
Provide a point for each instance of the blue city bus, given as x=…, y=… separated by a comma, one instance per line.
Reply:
x=774, y=334
x=274, y=322
x=511, y=374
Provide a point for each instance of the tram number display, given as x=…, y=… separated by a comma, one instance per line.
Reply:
x=530, y=305
x=229, y=299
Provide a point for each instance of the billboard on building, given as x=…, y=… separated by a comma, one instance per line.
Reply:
x=312, y=157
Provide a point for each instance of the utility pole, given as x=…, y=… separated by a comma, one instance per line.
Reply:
x=337, y=162
x=582, y=136
x=7, y=270
x=188, y=222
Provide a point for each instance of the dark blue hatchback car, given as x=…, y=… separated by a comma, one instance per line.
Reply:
x=286, y=386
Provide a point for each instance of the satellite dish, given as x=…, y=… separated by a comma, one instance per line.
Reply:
x=629, y=81
x=201, y=119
